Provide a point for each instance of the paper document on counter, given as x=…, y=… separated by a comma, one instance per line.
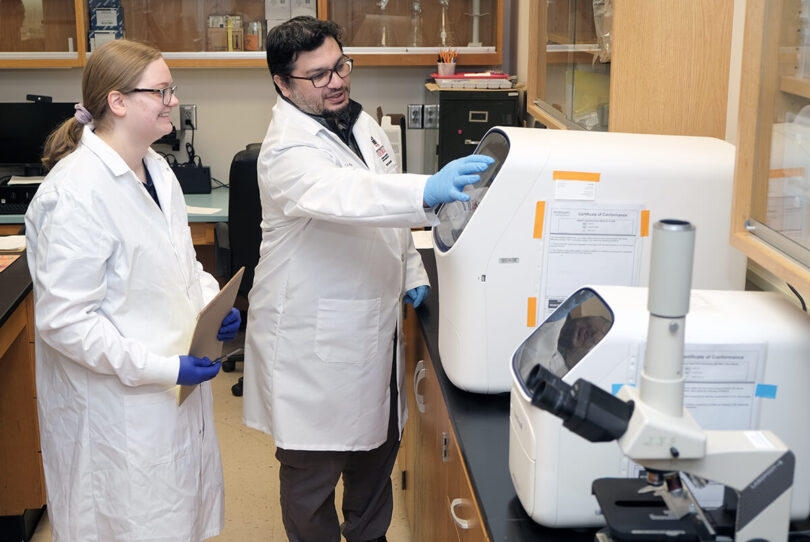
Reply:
x=204, y=343
x=201, y=210
x=12, y=243
x=17, y=179
x=7, y=259
x=589, y=244
x=422, y=239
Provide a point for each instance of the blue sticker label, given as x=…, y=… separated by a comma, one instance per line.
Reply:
x=767, y=391
x=614, y=388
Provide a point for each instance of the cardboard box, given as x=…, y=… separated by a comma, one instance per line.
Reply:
x=218, y=39
x=97, y=38
x=275, y=22
x=279, y=10
x=304, y=7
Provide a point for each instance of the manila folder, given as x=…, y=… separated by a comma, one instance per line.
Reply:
x=204, y=342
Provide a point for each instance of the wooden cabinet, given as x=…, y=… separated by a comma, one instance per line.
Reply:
x=22, y=483
x=55, y=33
x=772, y=173
x=438, y=498
x=41, y=33
x=667, y=70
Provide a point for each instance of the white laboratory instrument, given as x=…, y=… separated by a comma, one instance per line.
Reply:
x=560, y=209
x=741, y=359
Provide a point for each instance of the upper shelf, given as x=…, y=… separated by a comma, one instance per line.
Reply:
x=192, y=33
x=799, y=86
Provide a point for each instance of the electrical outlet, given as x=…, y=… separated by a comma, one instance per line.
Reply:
x=415, y=116
x=431, y=116
x=188, y=117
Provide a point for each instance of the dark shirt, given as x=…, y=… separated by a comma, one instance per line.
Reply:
x=343, y=127
x=150, y=186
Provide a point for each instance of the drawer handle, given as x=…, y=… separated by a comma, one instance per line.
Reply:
x=418, y=376
x=471, y=142
x=462, y=523
x=478, y=116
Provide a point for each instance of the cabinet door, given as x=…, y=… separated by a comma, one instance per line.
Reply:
x=406, y=32
x=411, y=438
x=460, y=504
x=41, y=33
x=20, y=459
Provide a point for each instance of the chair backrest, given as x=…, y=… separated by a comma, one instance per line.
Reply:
x=244, y=214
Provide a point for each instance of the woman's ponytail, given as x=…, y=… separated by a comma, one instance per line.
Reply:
x=61, y=142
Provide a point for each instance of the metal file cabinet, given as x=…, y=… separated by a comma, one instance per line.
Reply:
x=465, y=115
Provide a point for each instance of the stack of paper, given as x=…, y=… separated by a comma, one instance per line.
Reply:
x=12, y=243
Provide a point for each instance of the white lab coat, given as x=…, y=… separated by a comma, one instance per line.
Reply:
x=335, y=260
x=117, y=288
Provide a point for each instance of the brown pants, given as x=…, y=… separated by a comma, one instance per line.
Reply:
x=308, y=480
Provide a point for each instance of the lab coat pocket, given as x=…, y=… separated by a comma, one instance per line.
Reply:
x=347, y=330
x=156, y=429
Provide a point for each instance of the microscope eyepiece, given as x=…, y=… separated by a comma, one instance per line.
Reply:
x=585, y=409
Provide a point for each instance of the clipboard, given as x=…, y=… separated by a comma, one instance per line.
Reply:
x=204, y=342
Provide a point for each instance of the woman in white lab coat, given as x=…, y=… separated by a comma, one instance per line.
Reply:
x=117, y=289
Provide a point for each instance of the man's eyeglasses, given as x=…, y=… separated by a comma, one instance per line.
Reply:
x=165, y=93
x=322, y=78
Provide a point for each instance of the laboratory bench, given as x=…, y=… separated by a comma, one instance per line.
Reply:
x=454, y=456
x=202, y=225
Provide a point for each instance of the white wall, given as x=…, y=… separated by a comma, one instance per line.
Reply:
x=234, y=104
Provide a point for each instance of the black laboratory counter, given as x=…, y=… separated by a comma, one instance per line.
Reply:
x=481, y=425
x=15, y=283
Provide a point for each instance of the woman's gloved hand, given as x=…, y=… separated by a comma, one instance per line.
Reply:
x=229, y=326
x=415, y=296
x=195, y=370
x=447, y=185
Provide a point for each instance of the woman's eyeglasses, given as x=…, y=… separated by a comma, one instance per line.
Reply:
x=165, y=93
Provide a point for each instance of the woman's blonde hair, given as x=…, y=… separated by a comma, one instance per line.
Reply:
x=117, y=65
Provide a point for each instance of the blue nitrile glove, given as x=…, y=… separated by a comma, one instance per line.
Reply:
x=415, y=296
x=195, y=370
x=447, y=185
x=229, y=326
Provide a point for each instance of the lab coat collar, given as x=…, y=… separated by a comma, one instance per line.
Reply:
x=158, y=169
x=106, y=153
x=311, y=126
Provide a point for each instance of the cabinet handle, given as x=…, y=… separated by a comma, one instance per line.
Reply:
x=462, y=523
x=471, y=142
x=418, y=376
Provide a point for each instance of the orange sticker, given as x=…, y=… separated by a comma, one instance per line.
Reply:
x=539, y=216
x=645, y=223
x=576, y=176
x=531, y=316
x=786, y=172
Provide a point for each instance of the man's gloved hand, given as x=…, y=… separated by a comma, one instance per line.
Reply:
x=447, y=185
x=229, y=326
x=415, y=296
x=195, y=370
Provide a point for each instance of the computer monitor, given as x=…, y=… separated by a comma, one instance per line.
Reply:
x=24, y=127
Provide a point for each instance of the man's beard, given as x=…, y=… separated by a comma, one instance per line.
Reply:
x=340, y=116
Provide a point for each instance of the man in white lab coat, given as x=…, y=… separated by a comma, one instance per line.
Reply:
x=322, y=369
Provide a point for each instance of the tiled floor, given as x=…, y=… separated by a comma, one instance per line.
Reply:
x=252, y=511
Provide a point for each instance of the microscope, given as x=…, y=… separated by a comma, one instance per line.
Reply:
x=653, y=428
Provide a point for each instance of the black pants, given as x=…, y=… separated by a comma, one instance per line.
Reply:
x=308, y=480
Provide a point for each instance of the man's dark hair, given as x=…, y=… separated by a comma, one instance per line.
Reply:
x=286, y=40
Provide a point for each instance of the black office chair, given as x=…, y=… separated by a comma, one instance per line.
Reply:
x=244, y=229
